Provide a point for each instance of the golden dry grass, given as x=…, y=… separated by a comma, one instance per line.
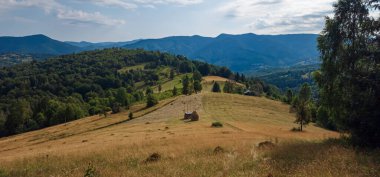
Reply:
x=116, y=147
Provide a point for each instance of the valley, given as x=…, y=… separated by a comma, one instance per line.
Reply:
x=190, y=88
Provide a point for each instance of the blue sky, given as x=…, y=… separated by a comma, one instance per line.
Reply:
x=122, y=20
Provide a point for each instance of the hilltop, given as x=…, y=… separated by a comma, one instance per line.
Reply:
x=35, y=44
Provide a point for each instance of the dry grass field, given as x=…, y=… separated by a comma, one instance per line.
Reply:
x=114, y=146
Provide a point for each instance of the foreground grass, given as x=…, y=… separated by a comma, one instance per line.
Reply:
x=292, y=158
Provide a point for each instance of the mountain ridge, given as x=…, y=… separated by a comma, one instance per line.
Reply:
x=243, y=52
x=35, y=44
x=240, y=52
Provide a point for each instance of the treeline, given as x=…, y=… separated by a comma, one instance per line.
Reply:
x=349, y=77
x=39, y=94
x=348, y=81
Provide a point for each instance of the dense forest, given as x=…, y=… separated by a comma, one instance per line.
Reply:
x=348, y=81
x=34, y=95
x=291, y=77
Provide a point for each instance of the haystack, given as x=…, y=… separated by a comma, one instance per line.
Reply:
x=193, y=116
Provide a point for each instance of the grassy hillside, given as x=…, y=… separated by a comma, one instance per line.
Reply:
x=114, y=146
x=36, y=95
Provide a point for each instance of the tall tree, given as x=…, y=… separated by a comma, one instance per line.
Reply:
x=197, y=76
x=175, y=91
x=302, y=104
x=289, y=96
x=3, y=119
x=172, y=74
x=349, y=76
x=186, y=85
x=197, y=86
x=19, y=112
x=151, y=100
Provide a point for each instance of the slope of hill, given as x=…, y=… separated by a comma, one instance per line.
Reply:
x=35, y=44
x=241, y=53
x=114, y=146
x=290, y=77
x=39, y=94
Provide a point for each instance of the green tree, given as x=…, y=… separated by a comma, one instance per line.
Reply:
x=302, y=106
x=172, y=74
x=348, y=79
x=19, y=112
x=159, y=88
x=115, y=107
x=197, y=86
x=197, y=76
x=121, y=96
x=186, y=85
x=151, y=100
x=289, y=96
x=3, y=119
x=41, y=119
x=148, y=91
x=324, y=120
x=228, y=87
x=130, y=115
x=175, y=91
x=216, y=87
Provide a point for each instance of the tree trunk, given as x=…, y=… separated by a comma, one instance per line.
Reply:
x=301, y=126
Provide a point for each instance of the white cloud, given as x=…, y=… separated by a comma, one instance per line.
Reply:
x=62, y=12
x=133, y=4
x=117, y=3
x=78, y=16
x=279, y=16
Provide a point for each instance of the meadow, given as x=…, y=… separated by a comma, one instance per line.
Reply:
x=116, y=146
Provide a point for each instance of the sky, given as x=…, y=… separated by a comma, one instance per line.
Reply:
x=124, y=20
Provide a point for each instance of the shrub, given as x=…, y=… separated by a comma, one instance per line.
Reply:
x=130, y=116
x=216, y=87
x=217, y=124
x=90, y=171
x=151, y=100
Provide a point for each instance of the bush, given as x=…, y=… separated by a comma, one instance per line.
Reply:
x=90, y=171
x=130, y=116
x=151, y=100
x=217, y=124
x=216, y=87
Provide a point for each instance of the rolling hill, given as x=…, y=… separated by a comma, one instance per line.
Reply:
x=35, y=44
x=243, y=53
x=114, y=146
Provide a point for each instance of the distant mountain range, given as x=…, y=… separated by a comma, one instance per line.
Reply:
x=101, y=45
x=243, y=53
